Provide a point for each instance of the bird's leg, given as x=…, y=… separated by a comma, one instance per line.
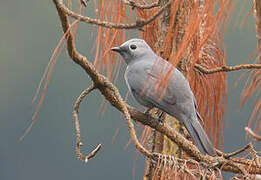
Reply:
x=160, y=117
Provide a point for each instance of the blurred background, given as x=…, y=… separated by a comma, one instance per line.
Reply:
x=30, y=31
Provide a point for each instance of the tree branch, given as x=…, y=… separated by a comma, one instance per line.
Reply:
x=227, y=156
x=226, y=68
x=137, y=25
x=140, y=6
x=84, y=2
x=254, y=135
x=109, y=91
x=77, y=127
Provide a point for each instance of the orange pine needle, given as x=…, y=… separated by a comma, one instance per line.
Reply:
x=47, y=75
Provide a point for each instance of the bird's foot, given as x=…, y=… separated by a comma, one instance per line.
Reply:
x=160, y=118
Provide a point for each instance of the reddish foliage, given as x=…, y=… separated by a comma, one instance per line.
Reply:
x=200, y=41
x=46, y=77
x=253, y=83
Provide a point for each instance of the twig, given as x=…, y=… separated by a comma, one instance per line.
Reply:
x=257, y=137
x=226, y=68
x=236, y=152
x=137, y=25
x=140, y=6
x=123, y=107
x=84, y=2
x=239, y=167
x=254, y=155
x=77, y=127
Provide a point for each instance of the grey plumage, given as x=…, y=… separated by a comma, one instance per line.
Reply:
x=144, y=72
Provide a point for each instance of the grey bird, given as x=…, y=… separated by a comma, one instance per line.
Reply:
x=144, y=73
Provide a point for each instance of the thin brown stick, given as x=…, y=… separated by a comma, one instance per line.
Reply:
x=123, y=107
x=137, y=25
x=226, y=68
x=241, y=169
x=237, y=152
x=84, y=2
x=254, y=135
x=77, y=127
x=140, y=6
x=254, y=155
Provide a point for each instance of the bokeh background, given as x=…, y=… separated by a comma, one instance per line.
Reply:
x=30, y=31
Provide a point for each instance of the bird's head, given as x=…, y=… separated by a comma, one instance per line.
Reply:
x=134, y=49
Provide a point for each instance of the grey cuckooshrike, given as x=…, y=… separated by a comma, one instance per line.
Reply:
x=144, y=72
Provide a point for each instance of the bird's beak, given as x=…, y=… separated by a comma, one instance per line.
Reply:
x=116, y=49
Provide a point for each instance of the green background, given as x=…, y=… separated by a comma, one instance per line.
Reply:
x=30, y=31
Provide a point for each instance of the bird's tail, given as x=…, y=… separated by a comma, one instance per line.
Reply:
x=199, y=136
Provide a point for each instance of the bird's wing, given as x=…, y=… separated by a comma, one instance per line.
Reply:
x=158, y=89
x=174, y=89
x=144, y=80
x=196, y=107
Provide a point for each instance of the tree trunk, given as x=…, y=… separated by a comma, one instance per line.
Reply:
x=161, y=144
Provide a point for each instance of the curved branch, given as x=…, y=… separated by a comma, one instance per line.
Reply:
x=226, y=68
x=102, y=83
x=254, y=135
x=137, y=25
x=77, y=127
x=84, y=2
x=111, y=93
x=227, y=156
x=140, y=6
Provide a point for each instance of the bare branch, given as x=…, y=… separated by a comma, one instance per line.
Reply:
x=122, y=106
x=227, y=68
x=84, y=2
x=237, y=151
x=140, y=6
x=254, y=155
x=77, y=127
x=241, y=169
x=257, y=137
x=137, y=25
x=169, y=132
x=109, y=91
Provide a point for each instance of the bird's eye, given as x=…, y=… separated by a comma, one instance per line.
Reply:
x=133, y=46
